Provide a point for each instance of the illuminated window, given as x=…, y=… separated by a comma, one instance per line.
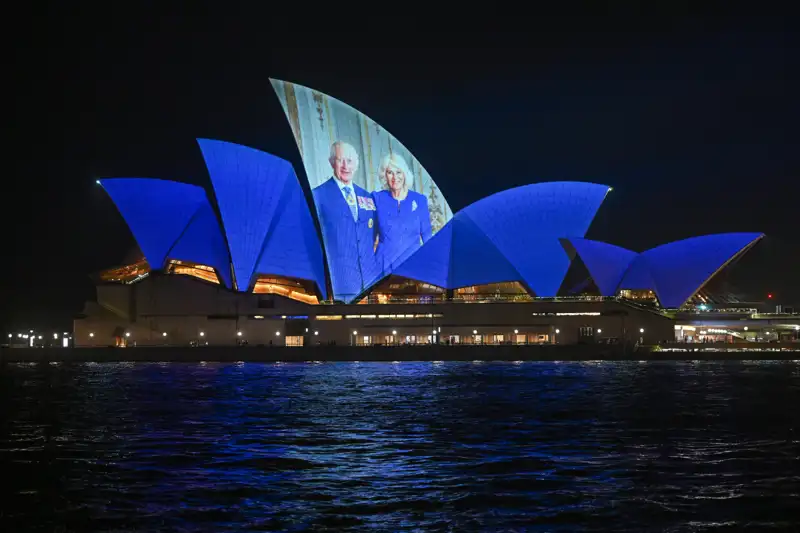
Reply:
x=126, y=274
x=299, y=290
x=397, y=289
x=506, y=291
x=204, y=272
x=294, y=340
x=329, y=317
x=637, y=294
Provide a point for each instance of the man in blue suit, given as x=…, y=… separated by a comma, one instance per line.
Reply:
x=347, y=218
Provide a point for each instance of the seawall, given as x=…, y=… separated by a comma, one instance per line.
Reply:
x=372, y=353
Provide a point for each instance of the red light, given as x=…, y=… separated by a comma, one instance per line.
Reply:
x=769, y=295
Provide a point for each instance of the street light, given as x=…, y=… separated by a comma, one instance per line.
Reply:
x=238, y=333
x=394, y=332
x=641, y=330
x=558, y=331
x=92, y=334
x=202, y=333
x=164, y=334
x=277, y=333
x=316, y=333
x=599, y=330
x=516, y=331
x=127, y=333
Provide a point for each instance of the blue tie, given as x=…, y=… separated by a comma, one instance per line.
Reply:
x=351, y=201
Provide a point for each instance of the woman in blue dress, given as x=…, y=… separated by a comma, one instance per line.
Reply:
x=404, y=222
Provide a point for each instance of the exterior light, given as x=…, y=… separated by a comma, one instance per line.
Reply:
x=10, y=335
x=164, y=334
x=277, y=333
x=202, y=333
x=127, y=333
x=306, y=330
x=97, y=182
x=797, y=328
x=239, y=333
x=316, y=333
x=355, y=332
x=55, y=335
x=434, y=332
x=641, y=330
x=394, y=332
x=599, y=331
x=745, y=328
x=40, y=337
x=91, y=334
x=19, y=335
x=474, y=331
x=516, y=331
x=558, y=331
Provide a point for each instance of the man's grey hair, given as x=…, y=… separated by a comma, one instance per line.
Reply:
x=347, y=149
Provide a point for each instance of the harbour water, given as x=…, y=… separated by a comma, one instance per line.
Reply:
x=452, y=446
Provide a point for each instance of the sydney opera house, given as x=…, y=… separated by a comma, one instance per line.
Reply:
x=364, y=249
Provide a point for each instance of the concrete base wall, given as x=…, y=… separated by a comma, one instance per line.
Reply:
x=370, y=353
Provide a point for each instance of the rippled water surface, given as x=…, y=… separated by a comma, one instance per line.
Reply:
x=400, y=447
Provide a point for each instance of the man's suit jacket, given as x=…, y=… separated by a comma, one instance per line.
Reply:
x=349, y=244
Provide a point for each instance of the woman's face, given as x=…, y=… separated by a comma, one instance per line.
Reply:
x=395, y=178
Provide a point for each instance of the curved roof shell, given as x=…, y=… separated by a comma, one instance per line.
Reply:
x=170, y=219
x=513, y=235
x=267, y=222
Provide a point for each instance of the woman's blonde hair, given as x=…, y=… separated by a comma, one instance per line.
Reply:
x=394, y=159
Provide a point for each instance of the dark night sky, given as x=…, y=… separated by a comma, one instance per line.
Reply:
x=692, y=120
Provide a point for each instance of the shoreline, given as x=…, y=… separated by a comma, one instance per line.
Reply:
x=227, y=354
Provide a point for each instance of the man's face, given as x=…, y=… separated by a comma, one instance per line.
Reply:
x=344, y=163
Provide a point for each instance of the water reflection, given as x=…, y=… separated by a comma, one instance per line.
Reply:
x=693, y=446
